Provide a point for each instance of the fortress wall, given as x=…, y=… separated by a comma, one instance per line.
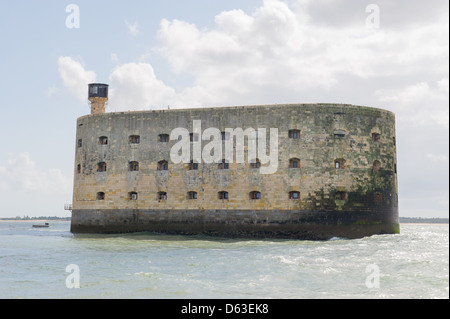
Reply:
x=317, y=179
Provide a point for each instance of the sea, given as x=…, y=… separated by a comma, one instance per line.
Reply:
x=52, y=263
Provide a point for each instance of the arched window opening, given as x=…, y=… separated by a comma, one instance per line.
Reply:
x=223, y=195
x=294, y=195
x=193, y=166
x=101, y=167
x=100, y=196
x=192, y=195
x=163, y=138
x=103, y=140
x=256, y=164
x=134, y=139
x=133, y=166
x=339, y=163
x=132, y=196
x=294, y=163
x=223, y=165
x=162, y=195
x=255, y=195
x=163, y=166
x=294, y=134
x=376, y=137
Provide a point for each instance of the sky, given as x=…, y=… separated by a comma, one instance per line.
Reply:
x=203, y=53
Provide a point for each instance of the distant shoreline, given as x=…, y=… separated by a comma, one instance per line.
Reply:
x=402, y=220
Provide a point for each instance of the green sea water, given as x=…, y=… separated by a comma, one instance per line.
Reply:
x=51, y=262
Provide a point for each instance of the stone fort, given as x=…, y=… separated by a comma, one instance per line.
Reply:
x=336, y=173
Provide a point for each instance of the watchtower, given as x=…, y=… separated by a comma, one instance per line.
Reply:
x=98, y=96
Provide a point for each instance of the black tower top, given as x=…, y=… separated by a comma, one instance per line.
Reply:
x=98, y=90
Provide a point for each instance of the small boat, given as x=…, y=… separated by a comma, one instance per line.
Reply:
x=46, y=225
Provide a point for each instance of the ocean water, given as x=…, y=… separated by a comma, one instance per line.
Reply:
x=52, y=262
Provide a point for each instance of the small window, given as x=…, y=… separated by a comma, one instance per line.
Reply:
x=163, y=138
x=255, y=195
x=294, y=163
x=133, y=166
x=376, y=137
x=193, y=137
x=294, y=195
x=192, y=195
x=101, y=167
x=162, y=196
x=78, y=169
x=80, y=143
x=223, y=195
x=340, y=196
x=134, y=139
x=163, y=166
x=225, y=136
x=223, y=165
x=256, y=164
x=294, y=134
x=100, y=196
x=376, y=165
x=339, y=163
x=193, y=166
x=378, y=197
x=132, y=196
x=394, y=141
x=103, y=140
x=339, y=133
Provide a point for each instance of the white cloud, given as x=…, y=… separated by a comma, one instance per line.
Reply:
x=132, y=28
x=21, y=174
x=74, y=76
x=134, y=86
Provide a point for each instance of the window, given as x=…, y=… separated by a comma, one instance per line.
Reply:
x=294, y=195
x=223, y=165
x=255, y=195
x=340, y=196
x=193, y=166
x=78, y=169
x=162, y=195
x=134, y=139
x=163, y=138
x=294, y=134
x=80, y=143
x=163, y=166
x=223, y=195
x=101, y=167
x=133, y=166
x=132, y=196
x=376, y=165
x=339, y=133
x=376, y=137
x=378, y=197
x=256, y=164
x=339, y=163
x=193, y=137
x=103, y=140
x=294, y=163
x=225, y=136
x=100, y=196
x=192, y=195
x=393, y=140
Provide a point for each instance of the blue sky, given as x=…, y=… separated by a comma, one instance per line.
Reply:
x=211, y=53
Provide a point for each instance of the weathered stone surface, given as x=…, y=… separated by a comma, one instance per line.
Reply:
x=355, y=200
